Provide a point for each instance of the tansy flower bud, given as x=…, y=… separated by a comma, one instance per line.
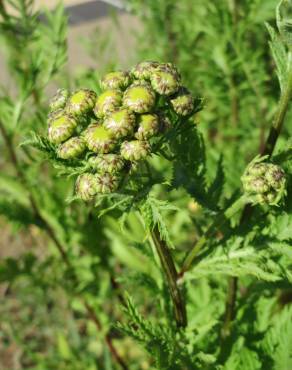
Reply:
x=182, y=102
x=99, y=139
x=116, y=80
x=107, y=102
x=120, y=123
x=81, y=102
x=72, y=148
x=135, y=150
x=171, y=68
x=148, y=126
x=111, y=163
x=106, y=183
x=255, y=185
x=59, y=100
x=54, y=114
x=85, y=186
x=61, y=127
x=144, y=70
x=264, y=182
x=164, y=82
x=139, y=98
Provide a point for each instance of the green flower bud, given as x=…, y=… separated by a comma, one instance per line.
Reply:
x=164, y=81
x=275, y=176
x=256, y=185
x=106, y=183
x=54, y=114
x=139, y=98
x=111, y=163
x=135, y=150
x=170, y=68
x=182, y=102
x=99, y=139
x=107, y=102
x=116, y=80
x=81, y=102
x=143, y=70
x=257, y=169
x=148, y=126
x=61, y=127
x=59, y=100
x=72, y=148
x=264, y=182
x=85, y=186
x=120, y=123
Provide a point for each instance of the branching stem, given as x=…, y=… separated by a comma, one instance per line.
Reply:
x=171, y=277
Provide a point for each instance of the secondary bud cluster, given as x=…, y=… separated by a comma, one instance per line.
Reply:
x=115, y=130
x=264, y=182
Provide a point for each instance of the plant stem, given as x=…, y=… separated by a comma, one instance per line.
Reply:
x=229, y=307
x=51, y=233
x=219, y=221
x=171, y=277
x=94, y=318
x=268, y=149
x=281, y=113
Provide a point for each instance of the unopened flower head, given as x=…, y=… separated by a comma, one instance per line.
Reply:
x=61, y=128
x=139, y=97
x=72, y=148
x=182, y=102
x=59, y=100
x=148, y=126
x=133, y=112
x=143, y=70
x=106, y=183
x=165, y=81
x=81, y=102
x=116, y=80
x=85, y=186
x=99, y=139
x=135, y=150
x=120, y=123
x=264, y=182
x=171, y=68
x=111, y=163
x=107, y=102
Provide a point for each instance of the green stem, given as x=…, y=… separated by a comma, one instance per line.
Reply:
x=281, y=113
x=268, y=149
x=219, y=221
x=229, y=307
x=171, y=277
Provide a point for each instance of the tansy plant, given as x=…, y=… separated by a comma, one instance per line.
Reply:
x=140, y=150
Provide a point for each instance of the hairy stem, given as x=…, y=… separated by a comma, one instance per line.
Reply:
x=171, y=277
x=219, y=221
x=51, y=233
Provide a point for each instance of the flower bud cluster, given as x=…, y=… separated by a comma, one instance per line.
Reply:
x=264, y=182
x=115, y=130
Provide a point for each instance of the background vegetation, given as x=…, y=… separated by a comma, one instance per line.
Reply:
x=85, y=292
